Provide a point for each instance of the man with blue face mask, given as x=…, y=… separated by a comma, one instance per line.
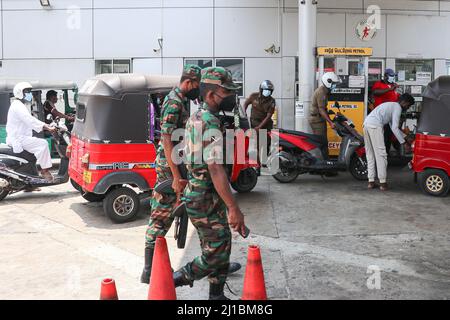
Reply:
x=20, y=126
x=263, y=108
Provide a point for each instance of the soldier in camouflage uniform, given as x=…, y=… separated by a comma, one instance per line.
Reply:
x=209, y=200
x=174, y=114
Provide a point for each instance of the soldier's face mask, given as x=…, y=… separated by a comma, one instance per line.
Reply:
x=194, y=93
x=228, y=103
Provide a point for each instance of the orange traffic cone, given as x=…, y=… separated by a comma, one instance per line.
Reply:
x=108, y=290
x=254, y=285
x=161, y=286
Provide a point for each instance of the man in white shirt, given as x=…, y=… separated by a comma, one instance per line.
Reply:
x=20, y=126
x=386, y=113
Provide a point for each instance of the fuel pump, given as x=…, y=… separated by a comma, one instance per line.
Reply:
x=352, y=92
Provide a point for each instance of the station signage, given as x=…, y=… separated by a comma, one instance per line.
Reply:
x=344, y=51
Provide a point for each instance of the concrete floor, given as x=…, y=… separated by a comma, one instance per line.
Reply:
x=320, y=239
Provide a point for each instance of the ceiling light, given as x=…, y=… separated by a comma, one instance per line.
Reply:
x=45, y=3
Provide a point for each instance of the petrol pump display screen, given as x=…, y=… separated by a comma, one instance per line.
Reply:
x=351, y=97
x=345, y=92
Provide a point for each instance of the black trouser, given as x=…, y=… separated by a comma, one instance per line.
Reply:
x=388, y=139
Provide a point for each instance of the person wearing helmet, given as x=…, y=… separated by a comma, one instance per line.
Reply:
x=263, y=108
x=20, y=126
x=319, y=117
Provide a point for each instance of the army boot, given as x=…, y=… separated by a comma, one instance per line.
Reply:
x=234, y=266
x=216, y=291
x=181, y=278
x=148, y=256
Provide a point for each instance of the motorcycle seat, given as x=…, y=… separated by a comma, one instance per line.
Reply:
x=7, y=150
x=315, y=138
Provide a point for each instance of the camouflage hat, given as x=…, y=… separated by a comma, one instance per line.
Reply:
x=219, y=76
x=192, y=71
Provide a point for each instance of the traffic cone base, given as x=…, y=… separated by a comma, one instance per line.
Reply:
x=108, y=290
x=161, y=286
x=254, y=284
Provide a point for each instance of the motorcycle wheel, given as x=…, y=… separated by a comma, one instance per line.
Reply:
x=3, y=193
x=358, y=167
x=92, y=197
x=246, y=181
x=182, y=231
x=286, y=175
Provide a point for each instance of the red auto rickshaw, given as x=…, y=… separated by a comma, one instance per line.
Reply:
x=114, y=139
x=431, y=162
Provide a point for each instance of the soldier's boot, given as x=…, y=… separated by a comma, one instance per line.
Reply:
x=181, y=278
x=234, y=266
x=148, y=257
x=216, y=292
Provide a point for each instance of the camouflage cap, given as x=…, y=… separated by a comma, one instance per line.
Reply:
x=192, y=71
x=219, y=76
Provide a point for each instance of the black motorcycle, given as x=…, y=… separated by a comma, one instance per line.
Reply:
x=18, y=171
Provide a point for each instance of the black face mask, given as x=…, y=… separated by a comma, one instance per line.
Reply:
x=228, y=103
x=193, y=94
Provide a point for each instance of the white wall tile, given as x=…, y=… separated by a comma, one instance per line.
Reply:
x=188, y=32
x=259, y=69
x=418, y=35
x=55, y=70
x=245, y=32
x=247, y=3
x=330, y=29
x=188, y=4
x=290, y=34
x=108, y=4
x=47, y=34
x=147, y=66
x=288, y=77
x=126, y=33
x=172, y=66
x=35, y=4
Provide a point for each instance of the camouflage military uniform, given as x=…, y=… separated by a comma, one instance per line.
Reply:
x=175, y=113
x=205, y=208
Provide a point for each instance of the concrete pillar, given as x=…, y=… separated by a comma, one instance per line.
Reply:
x=307, y=61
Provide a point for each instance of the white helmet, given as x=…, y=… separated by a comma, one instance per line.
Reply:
x=329, y=78
x=18, y=89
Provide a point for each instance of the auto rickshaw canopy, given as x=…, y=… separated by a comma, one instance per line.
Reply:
x=115, y=108
x=7, y=85
x=435, y=116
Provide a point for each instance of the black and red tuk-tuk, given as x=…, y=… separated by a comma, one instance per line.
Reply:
x=114, y=139
x=431, y=162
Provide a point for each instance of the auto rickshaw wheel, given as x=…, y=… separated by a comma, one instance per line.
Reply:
x=121, y=205
x=75, y=185
x=434, y=182
x=246, y=181
x=92, y=197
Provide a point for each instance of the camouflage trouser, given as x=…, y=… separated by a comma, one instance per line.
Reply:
x=208, y=214
x=162, y=207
